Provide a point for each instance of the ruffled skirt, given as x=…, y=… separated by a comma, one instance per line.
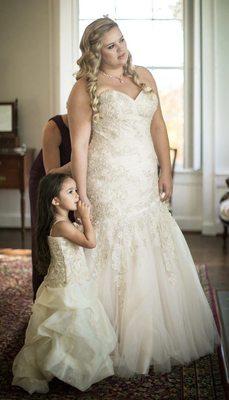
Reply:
x=69, y=337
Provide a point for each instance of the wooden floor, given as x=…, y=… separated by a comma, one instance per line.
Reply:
x=205, y=249
x=209, y=250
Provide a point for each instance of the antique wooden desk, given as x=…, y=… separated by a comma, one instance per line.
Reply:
x=14, y=174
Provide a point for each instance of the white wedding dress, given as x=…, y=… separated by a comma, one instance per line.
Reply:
x=146, y=278
x=69, y=335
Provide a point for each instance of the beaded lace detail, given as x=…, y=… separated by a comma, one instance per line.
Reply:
x=123, y=186
x=68, y=265
x=121, y=153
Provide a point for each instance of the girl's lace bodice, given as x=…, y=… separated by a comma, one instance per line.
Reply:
x=68, y=264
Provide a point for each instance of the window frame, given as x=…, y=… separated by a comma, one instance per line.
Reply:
x=192, y=81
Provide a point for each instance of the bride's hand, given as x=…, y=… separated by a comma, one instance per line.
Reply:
x=165, y=186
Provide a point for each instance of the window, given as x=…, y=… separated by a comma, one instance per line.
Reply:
x=154, y=31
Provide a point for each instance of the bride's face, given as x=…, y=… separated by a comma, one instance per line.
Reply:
x=114, y=51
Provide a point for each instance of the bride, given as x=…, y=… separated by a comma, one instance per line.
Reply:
x=145, y=274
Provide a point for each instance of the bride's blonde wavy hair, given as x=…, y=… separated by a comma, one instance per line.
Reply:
x=90, y=60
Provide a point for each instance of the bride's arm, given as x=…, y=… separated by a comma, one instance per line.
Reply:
x=160, y=139
x=79, y=120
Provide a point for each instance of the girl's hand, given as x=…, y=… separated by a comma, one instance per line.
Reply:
x=165, y=186
x=86, y=200
x=77, y=218
x=83, y=209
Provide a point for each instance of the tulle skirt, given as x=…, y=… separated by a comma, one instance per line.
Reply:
x=149, y=287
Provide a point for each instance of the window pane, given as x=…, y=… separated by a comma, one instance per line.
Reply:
x=135, y=33
x=154, y=43
x=91, y=9
x=167, y=44
x=170, y=86
x=168, y=9
x=82, y=25
x=133, y=9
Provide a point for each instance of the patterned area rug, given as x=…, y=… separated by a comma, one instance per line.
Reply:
x=200, y=380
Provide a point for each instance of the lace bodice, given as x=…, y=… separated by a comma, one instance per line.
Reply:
x=122, y=163
x=68, y=264
x=125, y=118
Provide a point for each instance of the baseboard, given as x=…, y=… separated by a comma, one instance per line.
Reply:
x=189, y=223
x=194, y=224
x=13, y=220
x=209, y=228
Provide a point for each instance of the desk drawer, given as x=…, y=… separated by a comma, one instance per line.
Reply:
x=14, y=169
x=9, y=163
x=9, y=178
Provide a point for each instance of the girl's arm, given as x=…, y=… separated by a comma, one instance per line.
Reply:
x=160, y=139
x=50, y=149
x=67, y=230
x=79, y=120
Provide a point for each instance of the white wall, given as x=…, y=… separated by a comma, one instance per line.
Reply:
x=38, y=46
x=24, y=72
x=187, y=200
x=222, y=87
x=24, y=63
x=196, y=196
x=221, y=100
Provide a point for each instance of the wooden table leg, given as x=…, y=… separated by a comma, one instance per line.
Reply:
x=22, y=219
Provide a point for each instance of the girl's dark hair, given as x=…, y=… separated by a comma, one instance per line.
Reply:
x=49, y=188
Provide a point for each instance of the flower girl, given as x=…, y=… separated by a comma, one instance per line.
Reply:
x=69, y=335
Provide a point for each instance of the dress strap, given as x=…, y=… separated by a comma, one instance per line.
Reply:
x=60, y=123
x=54, y=223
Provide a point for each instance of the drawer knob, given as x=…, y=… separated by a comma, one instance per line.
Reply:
x=2, y=178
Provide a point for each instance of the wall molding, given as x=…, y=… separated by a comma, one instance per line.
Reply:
x=187, y=223
x=54, y=57
x=68, y=48
x=182, y=182
x=208, y=116
x=63, y=43
x=190, y=177
x=220, y=181
x=13, y=220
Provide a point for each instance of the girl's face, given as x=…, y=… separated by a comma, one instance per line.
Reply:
x=68, y=196
x=114, y=51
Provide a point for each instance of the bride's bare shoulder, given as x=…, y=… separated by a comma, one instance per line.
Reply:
x=79, y=89
x=79, y=93
x=145, y=76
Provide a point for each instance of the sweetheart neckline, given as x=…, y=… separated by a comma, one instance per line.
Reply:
x=122, y=93
x=126, y=95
